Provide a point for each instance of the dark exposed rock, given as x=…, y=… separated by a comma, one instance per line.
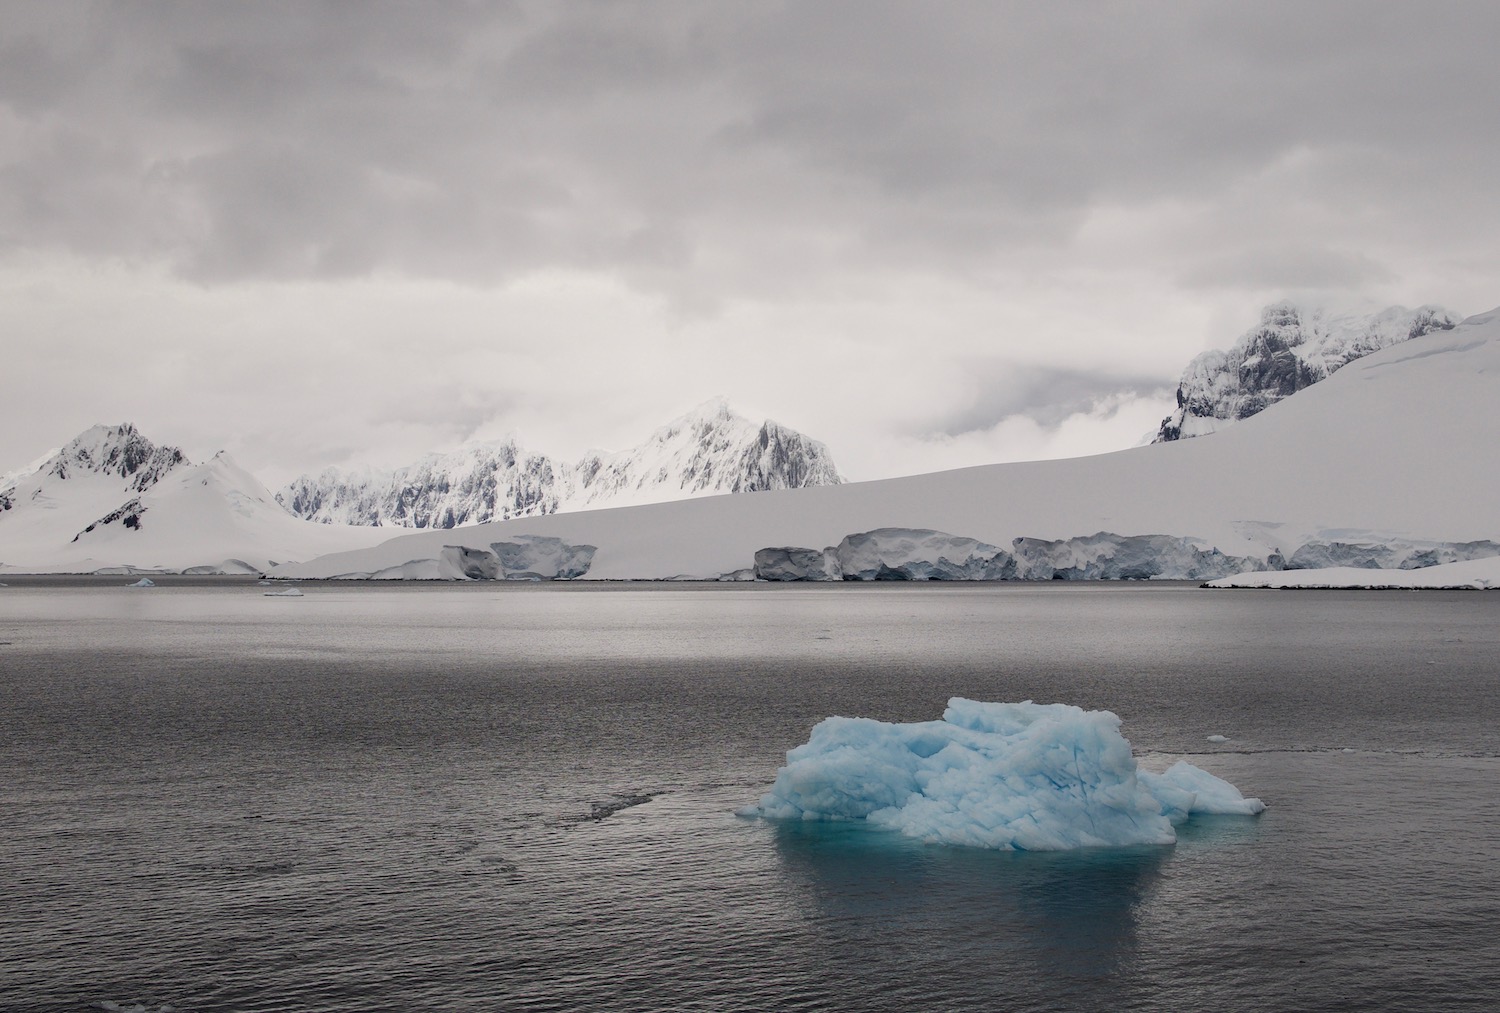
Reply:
x=1291, y=349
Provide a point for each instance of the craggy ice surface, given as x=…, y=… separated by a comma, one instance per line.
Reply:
x=1024, y=776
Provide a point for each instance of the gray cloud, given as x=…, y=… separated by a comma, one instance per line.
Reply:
x=1288, y=268
x=478, y=141
x=606, y=211
x=1047, y=395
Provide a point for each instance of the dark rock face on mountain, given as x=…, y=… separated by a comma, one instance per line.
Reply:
x=129, y=515
x=1290, y=349
x=115, y=450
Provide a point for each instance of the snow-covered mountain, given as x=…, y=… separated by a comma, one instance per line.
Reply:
x=112, y=498
x=1291, y=348
x=710, y=450
x=95, y=473
x=1396, y=446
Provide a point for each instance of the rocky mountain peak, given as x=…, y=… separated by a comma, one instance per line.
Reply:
x=1292, y=347
x=711, y=449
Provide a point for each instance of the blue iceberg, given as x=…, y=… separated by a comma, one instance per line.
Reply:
x=1024, y=776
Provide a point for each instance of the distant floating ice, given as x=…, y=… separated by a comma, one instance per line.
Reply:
x=1218, y=738
x=1023, y=776
x=143, y=582
x=290, y=592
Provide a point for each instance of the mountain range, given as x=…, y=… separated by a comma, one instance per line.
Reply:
x=111, y=498
x=1379, y=456
x=709, y=451
x=1389, y=457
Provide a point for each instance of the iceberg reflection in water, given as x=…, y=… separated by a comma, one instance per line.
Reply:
x=1068, y=917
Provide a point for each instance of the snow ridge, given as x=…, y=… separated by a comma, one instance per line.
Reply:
x=711, y=450
x=1291, y=348
x=113, y=451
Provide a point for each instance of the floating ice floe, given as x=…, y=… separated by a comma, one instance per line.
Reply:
x=143, y=582
x=1023, y=776
x=1481, y=574
x=290, y=592
x=1218, y=738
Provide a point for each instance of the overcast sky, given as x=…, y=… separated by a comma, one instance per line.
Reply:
x=929, y=234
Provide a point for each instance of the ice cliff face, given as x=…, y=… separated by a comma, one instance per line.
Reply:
x=923, y=554
x=524, y=557
x=1293, y=347
x=709, y=451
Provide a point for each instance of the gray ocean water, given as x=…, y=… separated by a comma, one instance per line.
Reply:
x=522, y=798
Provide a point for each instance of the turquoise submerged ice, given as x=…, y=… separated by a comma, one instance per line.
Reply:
x=1033, y=777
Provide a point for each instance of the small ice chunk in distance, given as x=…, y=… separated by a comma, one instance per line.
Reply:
x=143, y=582
x=1218, y=738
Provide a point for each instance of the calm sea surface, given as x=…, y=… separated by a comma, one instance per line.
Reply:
x=522, y=798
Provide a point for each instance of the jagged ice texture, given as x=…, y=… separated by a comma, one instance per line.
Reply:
x=1022, y=776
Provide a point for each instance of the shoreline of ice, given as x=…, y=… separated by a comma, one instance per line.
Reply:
x=1467, y=575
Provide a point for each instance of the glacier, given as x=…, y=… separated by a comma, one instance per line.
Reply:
x=523, y=557
x=924, y=554
x=1020, y=776
x=1465, y=575
x=1381, y=464
x=790, y=562
x=1387, y=450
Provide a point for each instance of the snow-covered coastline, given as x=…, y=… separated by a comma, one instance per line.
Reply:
x=1384, y=464
x=1392, y=449
x=1470, y=575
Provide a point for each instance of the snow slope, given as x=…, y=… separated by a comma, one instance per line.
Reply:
x=205, y=515
x=1291, y=348
x=710, y=450
x=1397, y=444
x=95, y=473
x=113, y=499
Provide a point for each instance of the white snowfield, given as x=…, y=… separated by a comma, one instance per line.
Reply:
x=1394, y=448
x=1021, y=776
x=1471, y=575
